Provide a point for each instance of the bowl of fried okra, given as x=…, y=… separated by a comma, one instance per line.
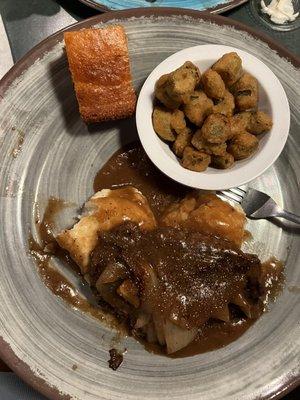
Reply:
x=212, y=117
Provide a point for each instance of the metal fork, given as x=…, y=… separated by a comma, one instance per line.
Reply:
x=257, y=204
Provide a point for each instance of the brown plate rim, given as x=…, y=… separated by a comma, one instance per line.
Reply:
x=6, y=353
x=31, y=56
x=216, y=10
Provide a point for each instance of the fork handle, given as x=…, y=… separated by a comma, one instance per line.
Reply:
x=288, y=215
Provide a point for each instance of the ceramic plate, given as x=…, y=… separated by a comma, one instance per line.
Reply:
x=46, y=149
x=214, y=6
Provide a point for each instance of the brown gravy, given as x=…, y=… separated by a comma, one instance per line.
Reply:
x=214, y=335
x=131, y=166
x=273, y=278
x=46, y=225
x=43, y=252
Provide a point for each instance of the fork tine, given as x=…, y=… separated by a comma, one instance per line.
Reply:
x=238, y=191
x=230, y=195
x=235, y=194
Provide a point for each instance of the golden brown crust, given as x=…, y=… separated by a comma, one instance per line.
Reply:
x=99, y=64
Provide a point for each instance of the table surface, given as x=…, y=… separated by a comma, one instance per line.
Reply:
x=29, y=22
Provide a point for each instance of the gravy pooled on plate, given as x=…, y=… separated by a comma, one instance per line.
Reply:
x=166, y=261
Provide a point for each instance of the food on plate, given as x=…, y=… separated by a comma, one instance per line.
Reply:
x=259, y=122
x=208, y=214
x=161, y=93
x=215, y=129
x=176, y=281
x=99, y=64
x=213, y=85
x=170, y=277
x=103, y=211
x=255, y=122
x=198, y=107
x=238, y=123
x=211, y=119
x=243, y=145
x=209, y=148
x=195, y=160
x=178, y=122
x=175, y=88
x=226, y=105
x=229, y=66
x=168, y=123
x=245, y=92
x=184, y=80
x=223, y=161
x=182, y=140
x=115, y=360
x=162, y=260
x=162, y=123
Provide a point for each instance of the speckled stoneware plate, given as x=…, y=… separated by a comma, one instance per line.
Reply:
x=46, y=150
x=213, y=6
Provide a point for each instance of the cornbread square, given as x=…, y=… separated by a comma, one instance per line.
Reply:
x=99, y=64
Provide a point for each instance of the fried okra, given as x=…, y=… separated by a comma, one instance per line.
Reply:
x=215, y=129
x=182, y=141
x=161, y=119
x=222, y=104
x=255, y=123
x=238, y=123
x=229, y=66
x=243, y=145
x=195, y=160
x=209, y=148
x=223, y=161
x=161, y=93
x=259, y=122
x=213, y=85
x=215, y=149
x=225, y=106
x=245, y=92
x=178, y=121
x=185, y=78
x=198, y=107
x=174, y=89
x=167, y=123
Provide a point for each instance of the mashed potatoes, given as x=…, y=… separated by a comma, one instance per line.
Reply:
x=207, y=213
x=103, y=212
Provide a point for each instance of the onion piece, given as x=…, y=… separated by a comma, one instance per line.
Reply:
x=177, y=338
x=113, y=272
x=151, y=334
x=244, y=305
x=159, y=325
x=222, y=314
x=142, y=320
x=129, y=292
x=149, y=284
x=108, y=293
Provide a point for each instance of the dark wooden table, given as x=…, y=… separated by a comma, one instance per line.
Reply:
x=29, y=22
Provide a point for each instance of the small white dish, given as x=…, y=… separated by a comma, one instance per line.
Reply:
x=272, y=100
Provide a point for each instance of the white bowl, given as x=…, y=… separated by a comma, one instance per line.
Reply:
x=272, y=100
